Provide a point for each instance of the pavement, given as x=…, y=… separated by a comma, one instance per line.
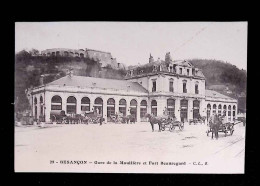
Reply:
x=57, y=148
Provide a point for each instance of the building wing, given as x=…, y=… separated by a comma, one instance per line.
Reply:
x=213, y=94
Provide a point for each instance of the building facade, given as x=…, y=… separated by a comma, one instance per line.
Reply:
x=173, y=86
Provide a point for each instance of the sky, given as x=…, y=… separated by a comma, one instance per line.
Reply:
x=132, y=43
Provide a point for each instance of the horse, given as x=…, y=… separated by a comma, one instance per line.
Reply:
x=154, y=120
x=129, y=118
x=214, y=123
x=202, y=119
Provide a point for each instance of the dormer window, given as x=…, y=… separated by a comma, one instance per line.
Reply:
x=154, y=68
x=171, y=68
x=188, y=72
x=131, y=72
x=180, y=70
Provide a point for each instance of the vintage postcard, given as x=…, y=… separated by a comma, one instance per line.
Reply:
x=130, y=97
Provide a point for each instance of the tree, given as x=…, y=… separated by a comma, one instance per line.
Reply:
x=22, y=55
x=34, y=52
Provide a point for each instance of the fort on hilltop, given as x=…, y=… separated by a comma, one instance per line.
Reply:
x=104, y=58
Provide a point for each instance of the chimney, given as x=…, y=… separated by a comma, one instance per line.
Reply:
x=41, y=79
x=151, y=59
x=168, y=57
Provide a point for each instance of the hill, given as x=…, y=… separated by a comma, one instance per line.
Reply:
x=218, y=72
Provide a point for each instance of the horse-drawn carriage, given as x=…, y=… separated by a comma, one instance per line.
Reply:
x=171, y=123
x=117, y=118
x=217, y=124
x=199, y=120
x=164, y=122
x=93, y=117
x=120, y=118
x=225, y=128
x=60, y=117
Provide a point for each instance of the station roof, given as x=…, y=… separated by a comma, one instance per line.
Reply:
x=215, y=94
x=83, y=81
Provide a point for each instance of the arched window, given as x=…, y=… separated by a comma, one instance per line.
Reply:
x=85, y=104
x=56, y=103
x=133, y=108
x=98, y=101
x=122, y=106
x=214, y=109
x=98, y=106
x=110, y=108
x=143, y=110
x=133, y=102
x=71, y=105
x=171, y=107
x=154, y=107
x=57, y=53
x=66, y=53
x=219, y=109
x=225, y=110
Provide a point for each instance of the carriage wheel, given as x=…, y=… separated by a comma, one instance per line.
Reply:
x=225, y=133
x=172, y=127
x=163, y=127
x=181, y=126
x=207, y=132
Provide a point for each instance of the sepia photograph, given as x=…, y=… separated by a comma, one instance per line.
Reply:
x=130, y=97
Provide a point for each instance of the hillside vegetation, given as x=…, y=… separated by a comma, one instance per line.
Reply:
x=219, y=72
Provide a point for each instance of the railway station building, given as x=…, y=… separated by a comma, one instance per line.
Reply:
x=162, y=85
